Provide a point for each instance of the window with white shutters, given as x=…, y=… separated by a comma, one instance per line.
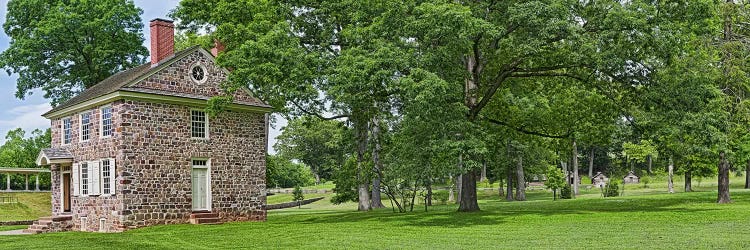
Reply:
x=108, y=176
x=84, y=181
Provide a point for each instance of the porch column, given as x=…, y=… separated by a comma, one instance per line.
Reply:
x=37, y=182
x=27, y=182
x=7, y=177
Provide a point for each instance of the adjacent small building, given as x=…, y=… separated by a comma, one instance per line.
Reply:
x=631, y=178
x=599, y=180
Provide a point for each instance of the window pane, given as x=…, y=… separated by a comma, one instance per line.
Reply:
x=198, y=123
x=85, y=126
x=66, y=131
x=84, y=178
x=107, y=121
x=106, y=177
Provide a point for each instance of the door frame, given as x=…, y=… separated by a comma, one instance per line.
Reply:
x=207, y=167
x=65, y=194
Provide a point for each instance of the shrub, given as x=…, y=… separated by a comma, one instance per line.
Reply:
x=440, y=195
x=646, y=180
x=611, y=189
x=298, y=196
x=565, y=192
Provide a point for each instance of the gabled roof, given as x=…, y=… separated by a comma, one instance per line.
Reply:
x=123, y=79
x=53, y=155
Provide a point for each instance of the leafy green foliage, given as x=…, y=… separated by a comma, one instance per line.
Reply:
x=346, y=185
x=298, y=196
x=566, y=192
x=316, y=143
x=283, y=173
x=611, y=189
x=65, y=47
x=555, y=180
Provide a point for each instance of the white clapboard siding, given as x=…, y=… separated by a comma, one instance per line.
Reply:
x=76, y=176
x=94, y=177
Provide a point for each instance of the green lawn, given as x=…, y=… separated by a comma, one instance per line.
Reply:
x=645, y=220
x=31, y=206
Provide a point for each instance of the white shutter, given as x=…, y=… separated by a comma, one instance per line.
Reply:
x=94, y=177
x=112, y=176
x=76, y=176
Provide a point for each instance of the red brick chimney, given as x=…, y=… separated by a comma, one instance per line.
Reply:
x=218, y=47
x=162, y=40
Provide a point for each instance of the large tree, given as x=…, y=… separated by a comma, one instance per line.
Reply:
x=316, y=143
x=65, y=47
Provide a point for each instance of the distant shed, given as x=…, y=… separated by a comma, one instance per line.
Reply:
x=631, y=178
x=599, y=180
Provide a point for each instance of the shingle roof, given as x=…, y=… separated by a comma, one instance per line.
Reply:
x=56, y=153
x=121, y=80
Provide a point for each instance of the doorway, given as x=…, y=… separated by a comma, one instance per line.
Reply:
x=200, y=186
x=65, y=191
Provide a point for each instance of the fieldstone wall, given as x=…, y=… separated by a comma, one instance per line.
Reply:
x=93, y=208
x=153, y=154
x=55, y=189
x=157, y=164
x=176, y=78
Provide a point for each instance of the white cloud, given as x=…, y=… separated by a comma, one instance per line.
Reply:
x=27, y=117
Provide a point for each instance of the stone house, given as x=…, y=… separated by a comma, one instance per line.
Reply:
x=599, y=180
x=631, y=178
x=138, y=149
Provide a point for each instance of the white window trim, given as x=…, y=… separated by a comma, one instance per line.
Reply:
x=111, y=177
x=62, y=130
x=205, y=114
x=80, y=125
x=209, y=198
x=80, y=179
x=101, y=121
x=205, y=73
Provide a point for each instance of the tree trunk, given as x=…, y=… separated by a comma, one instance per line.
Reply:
x=688, y=181
x=364, y=195
x=500, y=190
x=429, y=193
x=317, y=179
x=747, y=175
x=459, y=187
x=483, y=178
x=509, y=187
x=376, y=201
x=575, y=168
x=591, y=162
x=649, y=165
x=565, y=171
x=460, y=179
x=723, y=180
x=670, y=183
x=520, y=182
x=468, y=202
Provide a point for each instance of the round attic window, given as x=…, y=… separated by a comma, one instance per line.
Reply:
x=198, y=73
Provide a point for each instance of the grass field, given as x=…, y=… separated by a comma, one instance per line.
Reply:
x=31, y=206
x=644, y=218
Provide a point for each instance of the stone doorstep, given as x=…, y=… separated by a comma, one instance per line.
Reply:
x=214, y=220
x=203, y=215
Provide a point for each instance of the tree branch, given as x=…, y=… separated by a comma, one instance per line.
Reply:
x=528, y=132
x=319, y=116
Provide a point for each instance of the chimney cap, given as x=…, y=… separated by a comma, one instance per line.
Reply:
x=161, y=20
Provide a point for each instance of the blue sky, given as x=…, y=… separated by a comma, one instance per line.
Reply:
x=26, y=113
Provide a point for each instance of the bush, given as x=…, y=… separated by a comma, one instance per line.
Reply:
x=611, y=189
x=566, y=192
x=440, y=195
x=283, y=173
x=298, y=196
x=646, y=180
